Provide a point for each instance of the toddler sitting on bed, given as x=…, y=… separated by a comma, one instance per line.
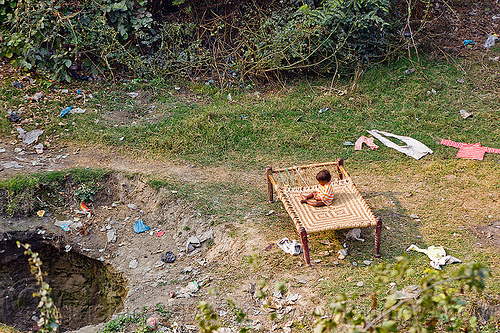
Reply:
x=324, y=195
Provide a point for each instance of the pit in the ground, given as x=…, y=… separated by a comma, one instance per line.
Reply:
x=86, y=291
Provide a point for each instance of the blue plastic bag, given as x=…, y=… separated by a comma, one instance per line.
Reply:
x=139, y=227
x=65, y=111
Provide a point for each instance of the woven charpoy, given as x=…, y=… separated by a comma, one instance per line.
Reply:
x=348, y=210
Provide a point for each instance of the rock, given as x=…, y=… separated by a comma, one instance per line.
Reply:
x=133, y=264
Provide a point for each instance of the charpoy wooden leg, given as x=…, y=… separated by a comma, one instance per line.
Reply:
x=269, y=172
x=378, y=231
x=340, y=162
x=305, y=246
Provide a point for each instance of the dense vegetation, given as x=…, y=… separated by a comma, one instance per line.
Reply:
x=226, y=40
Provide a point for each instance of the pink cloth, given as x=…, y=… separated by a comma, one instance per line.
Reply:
x=363, y=139
x=472, y=151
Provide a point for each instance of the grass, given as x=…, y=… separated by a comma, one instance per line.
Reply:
x=19, y=192
x=234, y=141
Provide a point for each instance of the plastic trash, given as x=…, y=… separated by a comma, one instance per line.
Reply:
x=464, y=114
x=18, y=85
x=65, y=111
x=32, y=136
x=139, y=227
x=290, y=247
x=14, y=117
x=132, y=94
x=490, y=41
x=168, y=257
x=469, y=42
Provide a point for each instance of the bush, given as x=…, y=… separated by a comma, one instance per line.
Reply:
x=218, y=39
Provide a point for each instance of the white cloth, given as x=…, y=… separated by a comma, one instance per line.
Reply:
x=413, y=148
x=437, y=255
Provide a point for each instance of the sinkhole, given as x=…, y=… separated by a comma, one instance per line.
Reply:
x=86, y=291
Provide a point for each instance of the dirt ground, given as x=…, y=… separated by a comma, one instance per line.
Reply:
x=214, y=265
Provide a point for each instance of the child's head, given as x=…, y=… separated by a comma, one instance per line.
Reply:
x=323, y=176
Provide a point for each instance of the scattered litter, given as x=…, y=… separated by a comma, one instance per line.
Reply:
x=67, y=248
x=335, y=262
x=14, y=117
x=68, y=225
x=40, y=213
x=191, y=288
x=355, y=234
x=290, y=247
x=490, y=41
x=354, y=263
x=152, y=323
x=270, y=212
x=168, y=257
x=77, y=110
x=160, y=233
x=111, y=235
x=11, y=164
x=269, y=247
x=39, y=148
x=348, y=143
x=469, y=42
x=471, y=151
x=65, y=111
x=342, y=254
x=431, y=92
x=2, y=150
x=323, y=110
x=158, y=264
x=414, y=216
x=460, y=80
x=132, y=94
x=18, y=150
x=317, y=261
x=177, y=88
x=367, y=262
x=464, y=114
x=84, y=207
x=64, y=91
x=414, y=148
x=412, y=291
x=133, y=264
x=437, y=254
x=409, y=71
x=132, y=206
x=360, y=284
x=229, y=97
x=192, y=243
x=139, y=227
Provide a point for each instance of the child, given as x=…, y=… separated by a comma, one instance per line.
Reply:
x=324, y=195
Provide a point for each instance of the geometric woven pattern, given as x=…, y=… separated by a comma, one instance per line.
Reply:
x=348, y=210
